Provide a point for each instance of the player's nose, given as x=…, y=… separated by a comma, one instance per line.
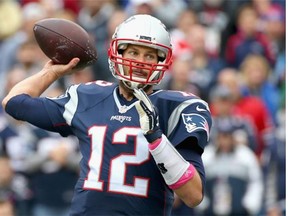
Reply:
x=140, y=59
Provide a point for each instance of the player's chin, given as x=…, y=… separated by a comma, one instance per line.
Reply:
x=141, y=86
x=129, y=86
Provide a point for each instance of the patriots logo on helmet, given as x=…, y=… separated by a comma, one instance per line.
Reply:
x=195, y=122
x=145, y=38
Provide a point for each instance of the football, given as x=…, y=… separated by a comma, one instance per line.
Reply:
x=61, y=40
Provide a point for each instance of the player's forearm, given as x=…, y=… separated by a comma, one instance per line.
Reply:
x=38, y=83
x=179, y=174
x=33, y=86
x=191, y=193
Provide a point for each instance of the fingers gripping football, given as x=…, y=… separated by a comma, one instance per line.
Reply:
x=148, y=116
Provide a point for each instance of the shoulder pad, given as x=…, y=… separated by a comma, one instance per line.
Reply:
x=94, y=92
x=183, y=115
x=87, y=94
x=179, y=96
x=180, y=100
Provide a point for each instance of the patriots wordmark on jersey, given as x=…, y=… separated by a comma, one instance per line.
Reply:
x=118, y=174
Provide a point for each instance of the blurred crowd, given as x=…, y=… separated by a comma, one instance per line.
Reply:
x=229, y=53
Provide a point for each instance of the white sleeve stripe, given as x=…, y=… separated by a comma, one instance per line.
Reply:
x=71, y=105
x=174, y=117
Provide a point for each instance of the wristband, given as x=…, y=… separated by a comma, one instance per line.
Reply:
x=152, y=137
x=189, y=174
x=175, y=170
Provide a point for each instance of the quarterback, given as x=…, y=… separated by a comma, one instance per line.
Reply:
x=139, y=145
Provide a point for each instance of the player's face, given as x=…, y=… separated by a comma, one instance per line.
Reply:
x=143, y=58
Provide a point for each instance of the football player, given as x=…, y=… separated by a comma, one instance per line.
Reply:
x=139, y=145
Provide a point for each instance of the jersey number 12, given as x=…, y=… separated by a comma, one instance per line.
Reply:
x=116, y=182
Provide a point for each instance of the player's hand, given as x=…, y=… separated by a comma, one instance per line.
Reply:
x=148, y=116
x=60, y=69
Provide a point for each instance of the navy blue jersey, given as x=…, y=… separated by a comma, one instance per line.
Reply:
x=118, y=174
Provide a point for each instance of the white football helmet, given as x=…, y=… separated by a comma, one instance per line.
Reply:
x=143, y=30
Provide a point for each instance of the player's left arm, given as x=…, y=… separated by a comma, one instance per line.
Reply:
x=192, y=192
x=179, y=174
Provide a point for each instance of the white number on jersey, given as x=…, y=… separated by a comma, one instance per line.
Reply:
x=119, y=163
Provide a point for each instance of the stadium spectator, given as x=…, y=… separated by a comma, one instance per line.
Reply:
x=205, y=67
x=139, y=7
x=275, y=201
x=30, y=14
x=29, y=57
x=272, y=22
x=53, y=168
x=186, y=19
x=250, y=107
x=257, y=75
x=118, y=16
x=17, y=149
x=179, y=77
x=222, y=110
x=93, y=17
x=234, y=179
x=10, y=16
x=8, y=197
x=279, y=76
x=161, y=8
x=274, y=28
x=57, y=5
x=247, y=40
x=157, y=8
x=215, y=19
x=5, y=179
x=85, y=75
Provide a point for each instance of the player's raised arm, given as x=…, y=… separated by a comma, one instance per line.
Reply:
x=39, y=82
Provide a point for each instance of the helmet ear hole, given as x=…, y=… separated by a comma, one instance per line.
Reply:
x=120, y=51
x=161, y=59
x=121, y=48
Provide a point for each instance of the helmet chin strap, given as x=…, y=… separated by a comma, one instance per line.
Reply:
x=132, y=85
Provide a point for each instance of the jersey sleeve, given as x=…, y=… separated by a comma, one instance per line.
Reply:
x=40, y=112
x=183, y=116
x=76, y=99
x=191, y=118
x=194, y=157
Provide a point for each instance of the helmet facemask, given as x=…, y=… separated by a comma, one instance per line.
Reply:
x=155, y=72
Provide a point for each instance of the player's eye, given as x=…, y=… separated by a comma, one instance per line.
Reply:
x=151, y=57
x=132, y=53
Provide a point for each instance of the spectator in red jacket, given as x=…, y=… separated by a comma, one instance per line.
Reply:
x=247, y=40
x=250, y=107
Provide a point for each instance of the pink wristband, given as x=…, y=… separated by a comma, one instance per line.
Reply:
x=189, y=174
x=154, y=145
